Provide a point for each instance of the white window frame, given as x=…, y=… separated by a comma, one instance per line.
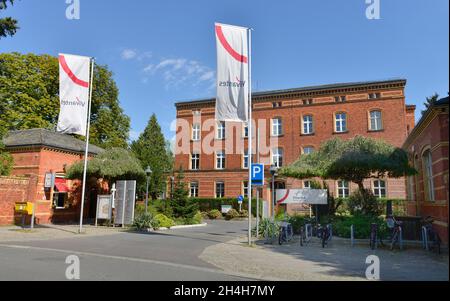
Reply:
x=308, y=147
x=277, y=154
x=220, y=160
x=428, y=174
x=376, y=119
x=377, y=186
x=196, y=132
x=221, y=130
x=245, y=130
x=340, y=121
x=277, y=127
x=245, y=189
x=197, y=159
x=307, y=184
x=308, y=124
x=193, y=187
x=345, y=189
x=223, y=190
x=245, y=157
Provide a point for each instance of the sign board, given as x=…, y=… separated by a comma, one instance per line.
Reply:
x=240, y=199
x=49, y=180
x=265, y=209
x=226, y=208
x=302, y=196
x=257, y=174
x=124, y=202
x=104, y=207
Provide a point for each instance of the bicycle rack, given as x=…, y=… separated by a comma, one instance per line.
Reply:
x=308, y=231
x=352, y=235
x=400, y=238
x=425, y=238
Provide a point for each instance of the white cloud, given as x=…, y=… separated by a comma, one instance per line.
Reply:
x=128, y=54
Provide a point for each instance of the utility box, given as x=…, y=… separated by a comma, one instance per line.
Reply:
x=24, y=208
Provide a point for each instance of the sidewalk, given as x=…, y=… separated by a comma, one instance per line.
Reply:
x=46, y=232
x=337, y=262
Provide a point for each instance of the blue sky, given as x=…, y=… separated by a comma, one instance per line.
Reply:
x=164, y=51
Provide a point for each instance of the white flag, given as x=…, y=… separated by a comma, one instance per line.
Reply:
x=73, y=94
x=232, y=73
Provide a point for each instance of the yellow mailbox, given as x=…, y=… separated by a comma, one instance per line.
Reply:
x=24, y=208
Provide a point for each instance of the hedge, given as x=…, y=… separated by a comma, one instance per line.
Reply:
x=207, y=204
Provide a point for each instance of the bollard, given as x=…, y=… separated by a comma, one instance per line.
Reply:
x=352, y=235
x=32, y=216
x=424, y=238
x=400, y=238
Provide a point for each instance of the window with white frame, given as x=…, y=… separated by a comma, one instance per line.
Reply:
x=221, y=130
x=245, y=159
x=277, y=127
x=195, y=161
x=193, y=190
x=220, y=189
x=245, y=188
x=308, y=125
x=374, y=95
x=411, y=194
x=307, y=184
x=196, y=132
x=379, y=188
x=343, y=189
x=341, y=122
x=220, y=160
x=376, y=122
x=277, y=157
x=308, y=150
x=245, y=130
x=428, y=174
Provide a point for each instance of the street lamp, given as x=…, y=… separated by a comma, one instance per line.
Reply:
x=148, y=172
x=273, y=172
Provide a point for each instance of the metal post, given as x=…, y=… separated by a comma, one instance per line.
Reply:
x=33, y=215
x=96, y=214
x=424, y=238
x=86, y=153
x=400, y=238
x=257, y=188
x=146, y=197
x=273, y=197
x=250, y=139
x=352, y=235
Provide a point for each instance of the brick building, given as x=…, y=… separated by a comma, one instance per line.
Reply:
x=427, y=146
x=291, y=122
x=35, y=153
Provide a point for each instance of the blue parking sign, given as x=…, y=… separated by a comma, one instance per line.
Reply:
x=258, y=174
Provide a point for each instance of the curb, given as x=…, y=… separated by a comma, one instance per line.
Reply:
x=178, y=227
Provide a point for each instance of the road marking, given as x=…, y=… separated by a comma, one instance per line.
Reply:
x=151, y=261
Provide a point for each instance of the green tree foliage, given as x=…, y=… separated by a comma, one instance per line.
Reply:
x=151, y=149
x=8, y=25
x=112, y=165
x=29, y=98
x=352, y=160
x=182, y=206
x=6, y=160
x=430, y=101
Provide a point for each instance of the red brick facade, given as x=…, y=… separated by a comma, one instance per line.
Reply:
x=428, y=149
x=357, y=100
x=12, y=190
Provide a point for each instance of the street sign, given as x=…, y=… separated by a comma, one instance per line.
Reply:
x=49, y=180
x=240, y=199
x=258, y=174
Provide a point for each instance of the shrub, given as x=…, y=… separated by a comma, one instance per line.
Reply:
x=364, y=204
x=297, y=221
x=143, y=222
x=266, y=226
x=204, y=215
x=243, y=213
x=361, y=225
x=164, y=221
x=231, y=214
x=214, y=214
x=196, y=220
x=210, y=204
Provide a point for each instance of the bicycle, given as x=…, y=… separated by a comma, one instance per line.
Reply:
x=430, y=235
x=373, y=236
x=286, y=233
x=396, y=236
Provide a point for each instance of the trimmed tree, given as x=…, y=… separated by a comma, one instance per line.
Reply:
x=352, y=160
x=182, y=206
x=151, y=150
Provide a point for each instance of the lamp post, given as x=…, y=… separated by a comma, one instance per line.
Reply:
x=273, y=172
x=172, y=180
x=148, y=172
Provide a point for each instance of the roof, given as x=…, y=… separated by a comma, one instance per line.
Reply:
x=428, y=115
x=44, y=137
x=307, y=89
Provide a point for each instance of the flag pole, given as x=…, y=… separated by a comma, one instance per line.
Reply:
x=250, y=139
x=86, y=152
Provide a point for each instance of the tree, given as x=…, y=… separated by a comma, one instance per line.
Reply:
x=430, y=101
x=8, y=26
x=29, y=98
x=352, y=160
x=182, y=206
x=151, y=150
x=112, y=165
x=6, y=160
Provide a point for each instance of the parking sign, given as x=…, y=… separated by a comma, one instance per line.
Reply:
x=258, y=174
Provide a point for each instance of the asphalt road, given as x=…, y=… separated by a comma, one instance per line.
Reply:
x=124, y=256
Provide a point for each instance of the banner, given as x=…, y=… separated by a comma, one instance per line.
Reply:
x=74, y=79
x=302, y=196
x=232, y=73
